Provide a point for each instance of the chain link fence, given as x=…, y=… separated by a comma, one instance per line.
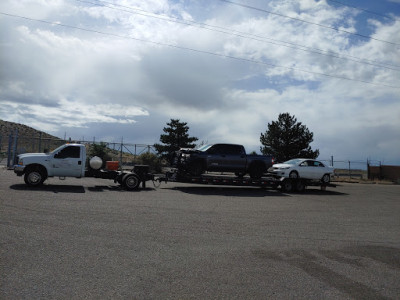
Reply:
x=14, y=144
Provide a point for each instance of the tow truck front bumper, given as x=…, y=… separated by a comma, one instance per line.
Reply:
x=19, y=170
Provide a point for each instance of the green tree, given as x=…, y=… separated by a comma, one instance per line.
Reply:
x=176, y=136
x=286, y=139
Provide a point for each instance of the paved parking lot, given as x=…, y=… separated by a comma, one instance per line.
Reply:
x=87, y=238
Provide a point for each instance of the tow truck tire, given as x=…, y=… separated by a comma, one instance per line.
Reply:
x=34, y=177
x=326, y=178
x=287, y=186
x=131, y=182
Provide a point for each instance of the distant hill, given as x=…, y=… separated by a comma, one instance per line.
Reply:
x=28, y=137
x=7, y=128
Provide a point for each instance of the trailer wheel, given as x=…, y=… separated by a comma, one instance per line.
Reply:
x=326, y=178
x=197, y=168
x=300, y=186
x=131, y=182
x=34, y=177
x=287, y=186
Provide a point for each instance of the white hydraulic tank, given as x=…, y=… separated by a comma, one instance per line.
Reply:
x=96, y=162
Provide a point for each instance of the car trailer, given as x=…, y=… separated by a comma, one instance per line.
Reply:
x=268, y=181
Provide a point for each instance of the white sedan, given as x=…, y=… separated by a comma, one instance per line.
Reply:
x=303, y=168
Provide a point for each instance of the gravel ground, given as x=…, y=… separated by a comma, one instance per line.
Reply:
x=89, y=239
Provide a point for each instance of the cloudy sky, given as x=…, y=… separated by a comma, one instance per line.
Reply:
x=121, y=69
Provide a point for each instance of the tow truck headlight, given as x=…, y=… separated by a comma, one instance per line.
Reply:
x=20, y=162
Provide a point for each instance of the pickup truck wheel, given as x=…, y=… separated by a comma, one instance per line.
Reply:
x=131, y=182
x=34, y=177
x=256, y=171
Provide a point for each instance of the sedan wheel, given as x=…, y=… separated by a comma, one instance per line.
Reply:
x=326, y=178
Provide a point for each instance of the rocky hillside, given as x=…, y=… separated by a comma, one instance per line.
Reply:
x=28, y=137
x=7, y=128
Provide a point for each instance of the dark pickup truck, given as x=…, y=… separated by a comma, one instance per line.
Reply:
x=221, y=158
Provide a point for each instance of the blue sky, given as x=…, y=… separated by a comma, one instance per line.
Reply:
x=123, y=68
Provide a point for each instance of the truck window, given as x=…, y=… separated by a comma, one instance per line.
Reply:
x=69, y=152
x=234, y=150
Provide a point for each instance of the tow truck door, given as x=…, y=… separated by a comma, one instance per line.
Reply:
x=68, y=162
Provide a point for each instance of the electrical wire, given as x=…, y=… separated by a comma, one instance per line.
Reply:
x=362, y=9
x=198, y=51
x=245, y=35
x=309, y=22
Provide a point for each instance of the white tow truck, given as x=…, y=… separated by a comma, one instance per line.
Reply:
x=69, y=160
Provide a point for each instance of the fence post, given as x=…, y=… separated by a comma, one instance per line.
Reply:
x=12, y=149
x=40, y=142
x=120, y=155
x=349, y=170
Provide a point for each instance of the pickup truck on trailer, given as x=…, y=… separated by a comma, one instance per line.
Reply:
x=69, y=160
x=222, y=158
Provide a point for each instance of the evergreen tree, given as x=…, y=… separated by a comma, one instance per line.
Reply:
x=176, y=136
x=286, y=139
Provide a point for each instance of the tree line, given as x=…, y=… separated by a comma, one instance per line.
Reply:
x=284, y=139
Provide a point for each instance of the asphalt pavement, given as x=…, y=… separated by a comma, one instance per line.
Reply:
x=90, y=239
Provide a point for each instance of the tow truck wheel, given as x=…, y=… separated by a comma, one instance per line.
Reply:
x=131, y=182
x=34, y=177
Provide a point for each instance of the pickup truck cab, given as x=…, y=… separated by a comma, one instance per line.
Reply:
x=66, y=161
x=222, y=158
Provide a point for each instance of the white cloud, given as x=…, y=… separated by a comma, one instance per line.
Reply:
x=59, y=78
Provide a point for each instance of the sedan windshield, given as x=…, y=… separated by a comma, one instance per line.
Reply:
x=293, y=161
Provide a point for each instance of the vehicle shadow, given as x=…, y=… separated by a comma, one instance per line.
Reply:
x=117, y=188
x=58, y=188
x=53, y=188
x=229, y=191
x=207, y=190
x=314, y=191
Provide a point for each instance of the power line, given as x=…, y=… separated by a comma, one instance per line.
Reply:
x=197, y=51
x=309, y=22
x=245, y=35
x=361, y=9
